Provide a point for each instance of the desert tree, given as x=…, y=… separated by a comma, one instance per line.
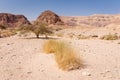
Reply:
x=37, y=29
x=45, y=30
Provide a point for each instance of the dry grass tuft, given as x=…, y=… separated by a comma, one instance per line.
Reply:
x=71, y=35
x=49, y=46
x=110, y=37
x=82, y=37
x=118, y=42
x=65, y=56
x=8, y=33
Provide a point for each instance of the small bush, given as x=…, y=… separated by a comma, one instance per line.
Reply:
x=94, y=36
x=118, y=42
x=37, y=30
x=7, y=33
x=71, y=35
x=82, y=36
x=110, y=37
x=65, y=56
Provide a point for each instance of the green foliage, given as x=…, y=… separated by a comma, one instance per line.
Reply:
x=37, y=29
x=44, y=29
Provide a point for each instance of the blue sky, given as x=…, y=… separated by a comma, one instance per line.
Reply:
x=32, y=8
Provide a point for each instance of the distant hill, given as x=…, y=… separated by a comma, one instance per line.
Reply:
x=11, y=20
x=49, y=17
x=97, y=20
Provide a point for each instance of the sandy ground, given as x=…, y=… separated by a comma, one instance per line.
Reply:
x=100, y=31
x=23, y=59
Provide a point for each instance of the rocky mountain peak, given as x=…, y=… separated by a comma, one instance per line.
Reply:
x=49, y=17
x=11, y=20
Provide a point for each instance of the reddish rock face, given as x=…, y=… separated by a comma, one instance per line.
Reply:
x=11, y=20
x=49, y=17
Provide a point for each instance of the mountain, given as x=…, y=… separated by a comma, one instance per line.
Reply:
x=11, y=20
x=49, y=17
x=97, y=20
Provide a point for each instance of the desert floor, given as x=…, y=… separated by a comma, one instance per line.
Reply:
x=24, y=59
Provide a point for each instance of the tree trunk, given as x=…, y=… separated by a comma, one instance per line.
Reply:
x=46, y=36
x=37, y=35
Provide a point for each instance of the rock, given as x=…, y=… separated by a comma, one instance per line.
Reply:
x=11, y=20
x=49, y=17
x=29, y=72
x=107, y=71
x=86, y=74
x=42, y=70
x=8, y=44
x=11, y=74
x=1, y=57
x=19, y=62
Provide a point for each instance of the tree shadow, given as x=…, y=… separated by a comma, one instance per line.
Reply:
x=40, y=38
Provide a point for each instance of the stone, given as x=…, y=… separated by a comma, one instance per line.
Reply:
x=86, y=74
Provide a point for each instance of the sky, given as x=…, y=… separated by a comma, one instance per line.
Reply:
x=33, y=8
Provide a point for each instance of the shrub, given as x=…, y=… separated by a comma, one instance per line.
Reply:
x=71, y=35
x=82, y=36
x=94, y=36
x=118, y=42
x=1, y=29
x=49, y=46
x=110, y=37
x=65, y=56
x=7, y=33
x=37, y=30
